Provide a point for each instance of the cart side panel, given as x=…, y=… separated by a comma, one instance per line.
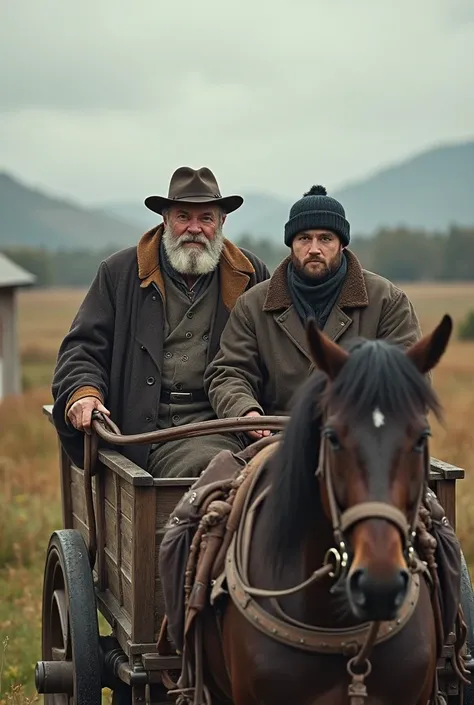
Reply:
x=115, y=538
x=143, y=565
x=113, y=568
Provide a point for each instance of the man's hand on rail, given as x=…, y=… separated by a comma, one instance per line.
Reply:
x=256, y=434
x=80, y=412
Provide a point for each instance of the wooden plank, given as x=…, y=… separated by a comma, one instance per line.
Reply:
x=113, y=586
x=65, y=481
x=110, y=530
x=126, y=533
x=155, y=662
x=182, y=482
x=109, y=484
x=446, y=493
x=118, y=534
x=446, y=470
x=127, y=591
x=124, y=467
x=119, y=622
x=99, y=509
x=79, y=525
x=143, y=564
x=126, y=501
x=77, y=474
x=167, y=497
x=78, y=500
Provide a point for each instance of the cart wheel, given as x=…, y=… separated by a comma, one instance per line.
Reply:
x=71, y=670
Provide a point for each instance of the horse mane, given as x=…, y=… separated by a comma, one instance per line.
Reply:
x=376, y=374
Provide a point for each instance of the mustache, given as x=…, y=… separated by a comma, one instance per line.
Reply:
x=314, y=259
x=188, y=237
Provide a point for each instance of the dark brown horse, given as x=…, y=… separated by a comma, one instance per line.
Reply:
x=333, y=517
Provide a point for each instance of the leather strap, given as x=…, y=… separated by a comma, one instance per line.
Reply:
x=374, y=510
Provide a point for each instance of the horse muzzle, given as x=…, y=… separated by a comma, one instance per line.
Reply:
x=377, y=598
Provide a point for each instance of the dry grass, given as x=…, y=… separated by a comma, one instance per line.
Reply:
x=29, y=483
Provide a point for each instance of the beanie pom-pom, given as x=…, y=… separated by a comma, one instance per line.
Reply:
x=316, y=191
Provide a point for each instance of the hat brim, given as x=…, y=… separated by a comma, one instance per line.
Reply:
x=158, y=203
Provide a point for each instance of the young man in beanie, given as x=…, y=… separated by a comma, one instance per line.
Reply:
x=148, y=326
x=263, y=355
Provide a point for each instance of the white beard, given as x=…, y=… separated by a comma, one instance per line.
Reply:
x=193, y=260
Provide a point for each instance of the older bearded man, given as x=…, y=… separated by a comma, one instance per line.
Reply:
x=149, y=325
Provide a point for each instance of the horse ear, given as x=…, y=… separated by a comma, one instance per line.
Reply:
x=328, y=356
x=428, y=351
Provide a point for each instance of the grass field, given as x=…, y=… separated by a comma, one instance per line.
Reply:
x=29, y=482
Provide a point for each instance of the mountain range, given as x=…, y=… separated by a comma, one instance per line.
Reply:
x=430, y=191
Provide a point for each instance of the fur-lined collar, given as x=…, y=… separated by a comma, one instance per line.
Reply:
x=234, y=267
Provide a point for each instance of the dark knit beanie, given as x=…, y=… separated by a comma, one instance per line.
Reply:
x=317, y=210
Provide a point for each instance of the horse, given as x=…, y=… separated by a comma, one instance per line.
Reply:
x=329, y=603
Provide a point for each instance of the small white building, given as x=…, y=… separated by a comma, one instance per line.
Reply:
x=12, y=277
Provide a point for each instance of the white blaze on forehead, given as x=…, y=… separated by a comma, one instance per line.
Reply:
x=378, y=418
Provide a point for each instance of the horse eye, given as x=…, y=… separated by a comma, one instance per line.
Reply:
x=333, y=439
x=420, y=445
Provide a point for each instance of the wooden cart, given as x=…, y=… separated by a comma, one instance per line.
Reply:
x=131, y=509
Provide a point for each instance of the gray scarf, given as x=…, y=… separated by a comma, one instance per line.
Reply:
x=312, y=299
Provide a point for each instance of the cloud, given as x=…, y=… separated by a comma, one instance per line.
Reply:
x=104, y=100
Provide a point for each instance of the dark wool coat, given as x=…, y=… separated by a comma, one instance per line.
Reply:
x=114, y=347
x=264, y=356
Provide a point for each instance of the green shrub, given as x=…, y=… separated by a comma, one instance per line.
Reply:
x=466, y=327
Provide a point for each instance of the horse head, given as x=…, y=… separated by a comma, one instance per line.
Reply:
x=374, y=459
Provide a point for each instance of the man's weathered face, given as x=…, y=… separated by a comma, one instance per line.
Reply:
x=193, y=238
x=316, y=254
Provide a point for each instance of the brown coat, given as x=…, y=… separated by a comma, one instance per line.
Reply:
x=115, y=345
x=264, y=357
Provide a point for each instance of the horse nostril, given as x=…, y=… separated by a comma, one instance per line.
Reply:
x=357, y=581
x=403, y=578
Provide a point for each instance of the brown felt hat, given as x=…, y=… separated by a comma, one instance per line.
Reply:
x=193, y=186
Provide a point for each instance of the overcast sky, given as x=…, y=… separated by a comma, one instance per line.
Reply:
x=100, y=100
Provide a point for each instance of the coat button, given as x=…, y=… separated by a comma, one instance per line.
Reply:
x=168, y=354
x=185, y=358
x=148, y=418
x=142, y=347
x=205, y=336
x=150, y=381
x=178, y=386
x=176, y=418
x=189, y=334
x=153, y=297
x=190, y=314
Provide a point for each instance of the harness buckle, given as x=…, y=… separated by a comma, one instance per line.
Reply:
x=340, y=560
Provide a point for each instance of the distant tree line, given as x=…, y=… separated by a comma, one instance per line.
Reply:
x=399, y=254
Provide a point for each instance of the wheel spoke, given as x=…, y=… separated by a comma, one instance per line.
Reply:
x=58, y=654
x=59, y=597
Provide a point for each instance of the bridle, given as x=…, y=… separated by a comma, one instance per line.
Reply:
x=344, y=520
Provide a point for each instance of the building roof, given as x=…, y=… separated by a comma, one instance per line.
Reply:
x=11, y=274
